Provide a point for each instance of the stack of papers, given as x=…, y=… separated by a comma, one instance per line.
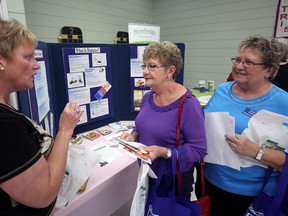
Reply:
x=265, y=128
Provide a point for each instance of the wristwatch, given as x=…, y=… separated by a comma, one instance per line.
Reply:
x=260, y=153
x=169, y=153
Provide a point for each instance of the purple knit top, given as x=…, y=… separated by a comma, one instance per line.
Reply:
x=156, y=125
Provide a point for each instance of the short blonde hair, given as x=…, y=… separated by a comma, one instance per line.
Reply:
x=12, y=35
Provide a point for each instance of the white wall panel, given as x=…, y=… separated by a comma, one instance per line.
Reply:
x=210, y=29
x=99, y=20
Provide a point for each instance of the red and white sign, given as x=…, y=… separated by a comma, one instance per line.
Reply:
x=281, y=28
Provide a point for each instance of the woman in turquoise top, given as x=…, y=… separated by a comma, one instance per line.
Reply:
x=254, y=67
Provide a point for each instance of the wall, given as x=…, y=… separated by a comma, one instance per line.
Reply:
x=16, y=10
x=210, y=29
x=99, y=20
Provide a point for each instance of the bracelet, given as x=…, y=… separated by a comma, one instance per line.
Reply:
x=169, y=153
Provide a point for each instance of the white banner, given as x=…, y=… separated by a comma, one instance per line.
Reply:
x=281, y=28
x=143, y=33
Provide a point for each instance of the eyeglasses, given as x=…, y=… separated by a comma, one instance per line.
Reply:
x=245, y=63
x=151, y=67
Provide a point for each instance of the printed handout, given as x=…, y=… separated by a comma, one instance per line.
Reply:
x=134, y=149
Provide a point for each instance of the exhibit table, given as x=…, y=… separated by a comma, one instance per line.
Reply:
x=203, y=97
x=109, y=187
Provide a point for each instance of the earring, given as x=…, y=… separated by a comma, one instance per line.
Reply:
x=2, y=68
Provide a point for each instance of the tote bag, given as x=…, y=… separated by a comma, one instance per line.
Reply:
x=264, y=205
x=141, y=192
x=167, y=203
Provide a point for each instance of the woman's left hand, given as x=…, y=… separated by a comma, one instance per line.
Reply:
x=242, y=145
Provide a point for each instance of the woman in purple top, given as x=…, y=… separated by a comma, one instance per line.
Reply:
x=155, y=125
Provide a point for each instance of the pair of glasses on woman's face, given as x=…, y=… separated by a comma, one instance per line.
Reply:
x=151, y=67
x=245, y=63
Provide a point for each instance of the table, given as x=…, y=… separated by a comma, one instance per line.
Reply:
x=109, y=187
x=203, y=97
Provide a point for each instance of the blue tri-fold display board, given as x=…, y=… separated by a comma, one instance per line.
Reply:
x=37, y=103
x=101, y=78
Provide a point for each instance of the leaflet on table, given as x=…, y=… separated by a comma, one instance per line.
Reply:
x=121, y=126
x=91, y=135
x=133, y=148
x=104, y=131
x=107, y=153
x=118, y=126
x=111, y=140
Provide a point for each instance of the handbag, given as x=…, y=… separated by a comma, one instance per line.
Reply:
x=266, y=205
x=163, y=202
x=204, y=200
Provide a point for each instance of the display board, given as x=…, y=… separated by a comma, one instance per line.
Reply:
x=97, y=76
x=88, y=81
x=65, y=85
x=37, y=103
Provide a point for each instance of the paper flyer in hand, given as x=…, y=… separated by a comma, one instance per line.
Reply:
x=134, y=149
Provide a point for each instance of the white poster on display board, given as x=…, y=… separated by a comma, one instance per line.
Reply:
x=143, y=33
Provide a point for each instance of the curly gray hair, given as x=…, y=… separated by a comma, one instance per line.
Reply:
x=167, y=53
x=270, y=50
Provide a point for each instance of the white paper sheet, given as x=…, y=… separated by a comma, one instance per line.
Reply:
x=218, y=124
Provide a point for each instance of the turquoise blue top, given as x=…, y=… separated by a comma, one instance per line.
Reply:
x=248, y=180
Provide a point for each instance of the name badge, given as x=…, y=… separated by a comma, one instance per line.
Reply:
x=249, y=112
